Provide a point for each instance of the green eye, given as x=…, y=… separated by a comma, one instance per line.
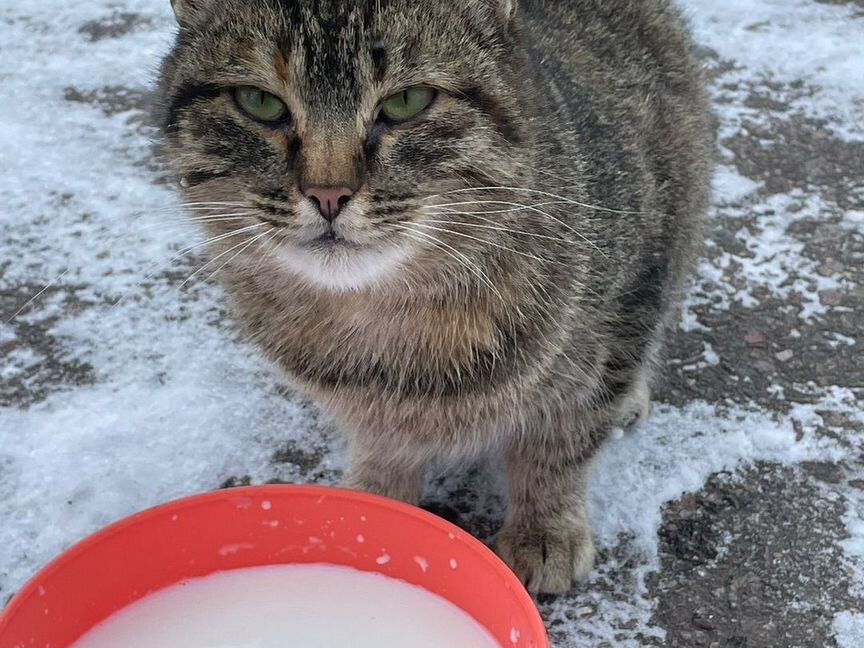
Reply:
x=260, y=105
x=409, y=103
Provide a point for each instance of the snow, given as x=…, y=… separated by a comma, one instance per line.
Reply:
x=730, y=186
x=17, y=361
x=788, y=41
x=7, y=333
x=178, y=404
x=673, y=454
x=773, y=260
x=175, y=403
x=849, y=629
x=796, y=52
x=676, y=451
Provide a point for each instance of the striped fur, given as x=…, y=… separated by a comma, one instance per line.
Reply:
x=503, y=275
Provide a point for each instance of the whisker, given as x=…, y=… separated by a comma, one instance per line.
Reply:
x=468, y=203
x=205, y=210
x=35, y=297
x=564, y=199
x=550, y=217
x=493, y=211
x=212, y=202
x=504, y=247
x=470, y=266
x=490, y=243
x=496, y=228
x=173, y=210
x=179, y=210
x=211, y=218
x=184, y=252
x=218, y=217
x=219, y=269
x=416, y=236
x=183, y=214
x=274, y=245
x=466, y=262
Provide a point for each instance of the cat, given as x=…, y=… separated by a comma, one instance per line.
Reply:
x=459, y=226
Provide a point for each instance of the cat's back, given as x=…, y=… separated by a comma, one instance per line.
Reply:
x=621, y=91
x=639, y=40
x=633, y=60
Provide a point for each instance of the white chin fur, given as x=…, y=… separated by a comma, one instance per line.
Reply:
x=342, y=270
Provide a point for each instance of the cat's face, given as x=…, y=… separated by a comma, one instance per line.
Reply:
x=334, y=131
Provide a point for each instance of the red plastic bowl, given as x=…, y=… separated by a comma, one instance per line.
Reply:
x=266, y=525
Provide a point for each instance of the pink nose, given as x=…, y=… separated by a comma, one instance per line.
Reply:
x=330, y=200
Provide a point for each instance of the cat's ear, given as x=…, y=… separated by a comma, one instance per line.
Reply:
x=506, y=8
x=188, y=12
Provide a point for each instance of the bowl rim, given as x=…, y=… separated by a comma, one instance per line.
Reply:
x=93, y=540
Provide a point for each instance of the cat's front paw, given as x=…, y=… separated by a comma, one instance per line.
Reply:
x=547, y=558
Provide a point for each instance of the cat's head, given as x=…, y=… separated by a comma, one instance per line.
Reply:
x=330, y=128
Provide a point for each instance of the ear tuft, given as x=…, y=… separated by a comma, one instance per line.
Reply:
x=507, y=8
x=187, y=11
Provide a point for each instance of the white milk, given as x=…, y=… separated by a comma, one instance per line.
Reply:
x=296, y=606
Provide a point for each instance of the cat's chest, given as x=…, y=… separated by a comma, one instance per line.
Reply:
x=368, y=342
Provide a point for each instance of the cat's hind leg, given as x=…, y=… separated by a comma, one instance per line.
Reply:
x=634, y=408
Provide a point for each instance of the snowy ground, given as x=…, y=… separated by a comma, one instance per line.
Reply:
x=734, y=518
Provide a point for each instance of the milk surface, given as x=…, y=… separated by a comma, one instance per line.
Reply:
x=296, y=606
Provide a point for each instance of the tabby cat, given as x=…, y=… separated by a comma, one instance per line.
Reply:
x=460, y=226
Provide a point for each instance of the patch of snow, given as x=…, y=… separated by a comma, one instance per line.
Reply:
x=799, y=53
x=846, y=402
x=774, y=260
x=179, y=404
x=18, y=361
x=675, y=452
x=788, y=42
x=95, y=454
x=710, y=355
x=777, y=391
x=854, y=219
x=689, y=321
x=731, y=187
x=849, y=630
x=7, y=333
x=838, y=339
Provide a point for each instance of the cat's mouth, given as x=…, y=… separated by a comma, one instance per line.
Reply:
x=330, y=241
x=335, y=263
